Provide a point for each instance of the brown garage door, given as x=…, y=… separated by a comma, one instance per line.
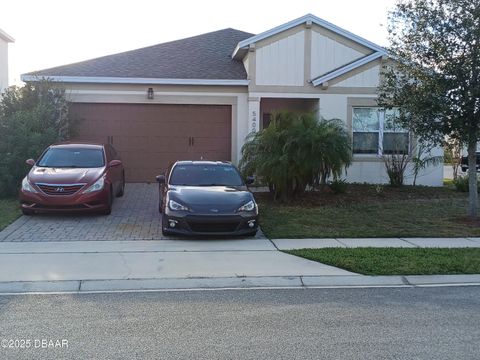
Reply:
x=150, y=137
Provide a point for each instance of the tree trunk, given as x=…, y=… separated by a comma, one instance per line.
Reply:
x=472, y=179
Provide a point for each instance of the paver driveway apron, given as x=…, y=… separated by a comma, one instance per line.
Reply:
x=134, y=217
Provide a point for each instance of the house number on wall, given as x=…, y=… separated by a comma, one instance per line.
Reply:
x=254, y=121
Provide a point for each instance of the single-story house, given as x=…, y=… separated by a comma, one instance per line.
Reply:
x=200, y=97
x=5, y=39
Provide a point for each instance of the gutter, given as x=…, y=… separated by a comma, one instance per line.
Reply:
x=131, y=80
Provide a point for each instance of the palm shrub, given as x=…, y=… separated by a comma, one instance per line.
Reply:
x=295, y=151
x=31, y=118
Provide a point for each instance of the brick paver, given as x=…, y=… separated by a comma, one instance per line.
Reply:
x=134, y=216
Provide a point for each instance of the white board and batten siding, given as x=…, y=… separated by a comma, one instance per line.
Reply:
x=328, y=54
x=3, y=64
x=367, y=78
x=281, y=62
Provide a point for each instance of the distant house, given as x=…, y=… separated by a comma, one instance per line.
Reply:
x=200, y=97
x=4, y=40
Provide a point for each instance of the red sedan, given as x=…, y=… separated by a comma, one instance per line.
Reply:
x=73, y=177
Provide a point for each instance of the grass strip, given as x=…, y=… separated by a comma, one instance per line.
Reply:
x=397, y=261
x=9, y=212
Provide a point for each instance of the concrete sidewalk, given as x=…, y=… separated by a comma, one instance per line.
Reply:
x=81, y=266
x=70, y=263
x=291, y=244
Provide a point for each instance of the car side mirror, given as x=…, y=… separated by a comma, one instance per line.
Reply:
x=114, y=163
x=30, y=162
x=250, y=180
x=160, y=179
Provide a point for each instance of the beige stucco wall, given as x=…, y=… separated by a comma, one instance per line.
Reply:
x=331, y=105
x=365, y=168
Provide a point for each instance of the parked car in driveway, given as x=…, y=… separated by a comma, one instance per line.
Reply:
x=206, y=198
x=73, y=177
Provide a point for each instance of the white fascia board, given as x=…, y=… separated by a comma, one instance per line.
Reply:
x=345, y=69
x=6, y=37
x=121, y=80
x=315, y=20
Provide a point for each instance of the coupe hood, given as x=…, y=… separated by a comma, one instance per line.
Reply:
x=223, y=198
x=64, y=175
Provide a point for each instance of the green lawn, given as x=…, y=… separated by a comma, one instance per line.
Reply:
x=363, y=213
x=9, y=211
x=396, y=261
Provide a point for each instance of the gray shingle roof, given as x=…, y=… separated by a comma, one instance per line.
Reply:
x=206, y=56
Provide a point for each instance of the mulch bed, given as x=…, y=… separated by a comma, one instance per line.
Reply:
x=361, y=194
x=469, y=221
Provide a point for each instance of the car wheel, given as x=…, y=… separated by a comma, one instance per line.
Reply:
x=122, y=189
x=164, y=232
x=108, y=210
x=27, y=212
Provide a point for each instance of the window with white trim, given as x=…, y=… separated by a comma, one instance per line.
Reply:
x=375, y=131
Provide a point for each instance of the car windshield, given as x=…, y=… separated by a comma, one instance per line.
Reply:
x=72, y=158
x=205, y=175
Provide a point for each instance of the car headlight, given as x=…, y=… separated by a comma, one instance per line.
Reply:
x=97, y=186
x=26, y=186
x=250, y=206
x=175, y=206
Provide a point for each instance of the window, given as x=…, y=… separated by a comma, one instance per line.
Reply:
x=68, y=157
x=205, y=175
x=375, y=131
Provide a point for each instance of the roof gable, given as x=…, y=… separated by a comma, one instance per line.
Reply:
x=243, y=45
x=346, y=68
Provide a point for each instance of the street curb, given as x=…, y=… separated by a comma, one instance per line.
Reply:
x=414, y=242
x=283, y=282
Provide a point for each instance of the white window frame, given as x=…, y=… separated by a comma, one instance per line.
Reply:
x=381, y=130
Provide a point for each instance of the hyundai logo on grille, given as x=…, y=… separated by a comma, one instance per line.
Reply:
x=214, y=210
x=59, y=189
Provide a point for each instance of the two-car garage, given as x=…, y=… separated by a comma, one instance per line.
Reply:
x=151, y=136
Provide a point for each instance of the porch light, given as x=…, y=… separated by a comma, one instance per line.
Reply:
x=150, y=93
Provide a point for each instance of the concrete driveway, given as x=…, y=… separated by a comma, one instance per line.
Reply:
x=134, y=217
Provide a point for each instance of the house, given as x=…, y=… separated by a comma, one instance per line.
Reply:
x=4, y=40
x=200, y=97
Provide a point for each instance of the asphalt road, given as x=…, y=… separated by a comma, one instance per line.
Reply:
x=387, y=323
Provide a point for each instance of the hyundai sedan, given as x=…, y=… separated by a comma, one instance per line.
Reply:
x=73, y=177
x=206, y=198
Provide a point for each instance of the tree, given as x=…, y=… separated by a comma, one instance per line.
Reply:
x=296, y=151
x=434, y=77
x=31, y=118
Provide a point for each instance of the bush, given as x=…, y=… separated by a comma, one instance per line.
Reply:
x=296, y=151
x=338, y=186
x=461, y=184
x=31, y=118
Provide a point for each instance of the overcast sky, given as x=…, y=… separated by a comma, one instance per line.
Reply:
x=58, y=32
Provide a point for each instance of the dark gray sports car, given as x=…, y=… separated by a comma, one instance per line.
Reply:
x=206, y=198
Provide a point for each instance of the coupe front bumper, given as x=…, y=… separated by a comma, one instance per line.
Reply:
x=212, y=225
